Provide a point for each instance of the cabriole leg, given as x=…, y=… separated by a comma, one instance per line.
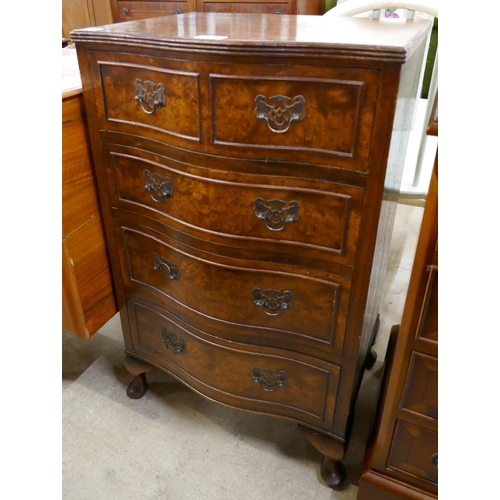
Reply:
x=138, y=387
x=333, y=470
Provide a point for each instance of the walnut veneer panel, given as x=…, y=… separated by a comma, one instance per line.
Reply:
x=248, y=171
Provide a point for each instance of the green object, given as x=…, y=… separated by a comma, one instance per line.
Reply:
x=431, y=56
x=330, y=4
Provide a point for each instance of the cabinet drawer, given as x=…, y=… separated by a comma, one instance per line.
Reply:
x=293, y=117
x=421, y=388
x=248, y=7
x=133, y=11
x=151, y=98
x=284, y=307
x=273, y=215
x=414, y=451
x=233, y=375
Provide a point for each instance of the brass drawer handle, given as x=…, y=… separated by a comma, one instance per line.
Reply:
x=277, y=12
x=173, y=343
x=280, y=115
x=159, y=188
x=151, y=96
x=169, y=270
x=125, y=11
x=269, y=380
x=272, y=301
x=434, y=460
x=275, y=214
x=178, y=11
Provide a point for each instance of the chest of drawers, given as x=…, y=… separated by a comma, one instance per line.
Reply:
x=248, y=168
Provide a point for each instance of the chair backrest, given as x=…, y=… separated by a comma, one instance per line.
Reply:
x=354, y=7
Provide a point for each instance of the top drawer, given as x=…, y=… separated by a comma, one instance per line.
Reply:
x=305, y=114
x=324, y=120
x=151, y=100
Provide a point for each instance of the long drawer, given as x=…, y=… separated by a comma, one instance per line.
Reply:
x=277, y=383
x=278, y=309
x=280, y=218
x=300, y=114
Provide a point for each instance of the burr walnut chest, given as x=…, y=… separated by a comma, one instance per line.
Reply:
x=248, y=168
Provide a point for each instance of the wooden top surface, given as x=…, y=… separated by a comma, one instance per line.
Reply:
x=392, y=39
x=71, y=80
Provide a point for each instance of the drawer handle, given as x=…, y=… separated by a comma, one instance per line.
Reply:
x=173, y=343
x=275, y=214
x=213, y=10
x=178, y=11
x=280, y=115
x=272, y=301
x=434, y=460
x=125, y=11
x=269, y=380
x=159, y=188
x=150, y=95
x=277, y=12
x=169, y=270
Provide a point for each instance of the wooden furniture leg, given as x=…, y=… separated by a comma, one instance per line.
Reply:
x=333, y=470
x=138, y=387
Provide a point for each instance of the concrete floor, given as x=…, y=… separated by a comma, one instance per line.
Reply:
x=174, y=445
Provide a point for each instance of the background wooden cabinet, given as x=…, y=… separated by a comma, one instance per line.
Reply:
x=138, y=9
x=82, y=13
x=88, y=299
x=402, y=455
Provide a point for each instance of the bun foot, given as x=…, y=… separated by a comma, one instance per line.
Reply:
x=333, y=472
x=138, y=387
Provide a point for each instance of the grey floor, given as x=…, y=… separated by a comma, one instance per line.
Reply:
x=173, y=444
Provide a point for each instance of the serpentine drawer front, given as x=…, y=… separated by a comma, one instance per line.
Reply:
x=307, y=309
x=237, y=375
x=248, y=183
x=304, y=218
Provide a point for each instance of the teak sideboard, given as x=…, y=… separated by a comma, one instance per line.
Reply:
x=248, y=168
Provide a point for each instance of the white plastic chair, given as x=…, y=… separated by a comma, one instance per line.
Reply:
x=430, y=7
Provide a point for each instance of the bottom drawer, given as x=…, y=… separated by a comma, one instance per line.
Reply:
x=414, y=450
x=232, y=374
